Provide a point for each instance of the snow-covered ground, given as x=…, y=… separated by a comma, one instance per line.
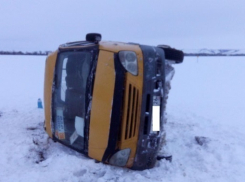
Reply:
x=207, y=99
x=227, y=52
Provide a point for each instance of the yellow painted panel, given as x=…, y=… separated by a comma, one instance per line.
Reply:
x=118, y=46
x=48, y=82
x=101, y=105
x=137, y=82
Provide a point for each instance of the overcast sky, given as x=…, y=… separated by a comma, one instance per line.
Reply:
x=184, y=24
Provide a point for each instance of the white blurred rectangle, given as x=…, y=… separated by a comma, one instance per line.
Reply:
x=156, y=118
x=79, y=126
x=60, y=120
x=73, y=137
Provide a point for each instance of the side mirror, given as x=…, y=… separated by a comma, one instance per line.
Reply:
x=93, y=37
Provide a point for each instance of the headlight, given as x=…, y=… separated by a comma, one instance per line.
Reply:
x=120, y=158
x=129, y=61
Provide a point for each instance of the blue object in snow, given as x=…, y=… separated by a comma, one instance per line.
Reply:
x=39, y=104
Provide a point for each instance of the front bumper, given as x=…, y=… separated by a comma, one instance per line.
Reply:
x=149, y=142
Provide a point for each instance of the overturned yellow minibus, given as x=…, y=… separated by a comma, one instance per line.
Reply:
x=107, y=99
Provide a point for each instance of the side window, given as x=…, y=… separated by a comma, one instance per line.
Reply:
x=63, y=80
x=74, y=72
x=85, y=71
x=73, y=69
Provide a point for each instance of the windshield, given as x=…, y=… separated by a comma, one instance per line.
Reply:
x=69, y=103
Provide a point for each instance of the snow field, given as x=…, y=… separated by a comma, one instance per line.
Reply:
x=206, y=99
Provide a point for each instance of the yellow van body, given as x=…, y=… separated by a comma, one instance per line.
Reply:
x=108, y=117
